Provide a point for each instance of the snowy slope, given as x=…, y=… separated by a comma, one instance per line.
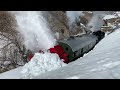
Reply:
x=12, y=74
x=101, y=63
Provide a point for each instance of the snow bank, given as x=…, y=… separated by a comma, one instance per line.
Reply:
x=41, y=63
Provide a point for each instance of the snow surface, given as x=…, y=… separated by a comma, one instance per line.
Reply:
x=12, y=74
x=101, y=63
x=109, y=17
x=41, y=63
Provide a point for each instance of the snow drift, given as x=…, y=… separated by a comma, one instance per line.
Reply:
x=41, y=63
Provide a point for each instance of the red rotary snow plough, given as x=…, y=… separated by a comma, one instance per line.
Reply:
x=75, y=47
x=58, y=50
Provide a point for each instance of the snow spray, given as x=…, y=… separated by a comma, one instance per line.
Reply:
x=32, y=25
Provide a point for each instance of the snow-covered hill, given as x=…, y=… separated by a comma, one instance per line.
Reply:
x=101, y=63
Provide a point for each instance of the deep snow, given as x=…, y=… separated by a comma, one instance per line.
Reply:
x=41, y=63
x=102, y=63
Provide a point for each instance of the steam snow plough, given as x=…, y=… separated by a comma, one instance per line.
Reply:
x=75, y=47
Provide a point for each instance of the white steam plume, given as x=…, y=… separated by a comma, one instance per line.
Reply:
x=72, y=15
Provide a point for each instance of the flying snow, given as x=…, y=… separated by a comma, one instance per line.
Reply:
x=34, y=29
x=41, y=63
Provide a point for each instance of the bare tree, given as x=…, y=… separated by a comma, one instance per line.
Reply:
x=11, y=46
